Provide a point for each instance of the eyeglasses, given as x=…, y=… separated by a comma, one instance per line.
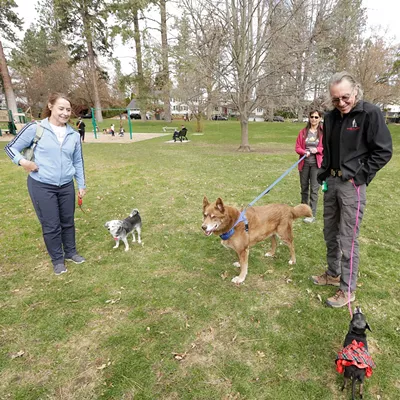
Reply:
x=346, y=99
x=314, y=117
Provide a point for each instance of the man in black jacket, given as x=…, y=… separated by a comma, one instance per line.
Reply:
x=357, y=144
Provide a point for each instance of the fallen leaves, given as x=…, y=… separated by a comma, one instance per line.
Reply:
x=113, y=301
x=17, y=355
x=103, y=366
x=179, y=356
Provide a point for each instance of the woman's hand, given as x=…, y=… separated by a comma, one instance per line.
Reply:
x=307, y=153
x=28, y=166
x=313, y=151
x=81, y=192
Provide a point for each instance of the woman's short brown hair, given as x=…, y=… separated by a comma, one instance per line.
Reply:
x=53, y=97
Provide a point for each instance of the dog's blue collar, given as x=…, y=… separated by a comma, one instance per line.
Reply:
x=242, y=218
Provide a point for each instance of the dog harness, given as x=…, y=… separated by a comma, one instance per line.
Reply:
x=355, y=354
x=242, y=218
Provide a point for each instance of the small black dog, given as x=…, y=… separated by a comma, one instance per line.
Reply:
x=354, y=358
x=120, y=229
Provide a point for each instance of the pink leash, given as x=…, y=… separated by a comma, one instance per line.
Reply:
x=352, y=245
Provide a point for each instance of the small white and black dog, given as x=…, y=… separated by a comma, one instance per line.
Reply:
x=120, y=229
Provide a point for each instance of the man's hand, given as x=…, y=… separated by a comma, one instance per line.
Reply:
x=81, y=193
x=28, y=166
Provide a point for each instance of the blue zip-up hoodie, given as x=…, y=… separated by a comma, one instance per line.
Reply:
x=58, y=162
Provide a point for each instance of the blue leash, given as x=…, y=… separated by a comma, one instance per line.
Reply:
x=242, y=216
x=277, y=181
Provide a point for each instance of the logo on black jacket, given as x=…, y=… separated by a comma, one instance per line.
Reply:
x=354, y=126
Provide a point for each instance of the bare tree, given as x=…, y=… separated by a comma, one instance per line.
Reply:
x=376, y=67
x=165, y=63
x=8, y=21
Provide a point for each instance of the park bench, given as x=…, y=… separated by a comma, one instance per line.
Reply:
x=4, y=120
x=10, y=127
x=169, y=128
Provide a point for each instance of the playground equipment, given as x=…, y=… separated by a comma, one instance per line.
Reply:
x=14, y=122
x=123, y=110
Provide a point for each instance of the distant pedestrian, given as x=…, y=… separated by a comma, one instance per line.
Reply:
x=81, y=129
x=112, y=130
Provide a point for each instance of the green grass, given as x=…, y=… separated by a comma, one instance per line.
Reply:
x=269, y=338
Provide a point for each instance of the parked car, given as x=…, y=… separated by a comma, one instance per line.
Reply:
x=219, y=118
x=305, y=119
x=136, y=116
x=87, y=116
x=278, y=118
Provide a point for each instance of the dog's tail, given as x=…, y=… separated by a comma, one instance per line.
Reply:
x=134, y=212
x=302, y=210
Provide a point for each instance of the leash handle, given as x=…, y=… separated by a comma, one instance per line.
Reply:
x=277, y=181
x=80, y=202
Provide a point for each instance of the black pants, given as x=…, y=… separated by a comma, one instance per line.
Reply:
x=309, y=184
x=55, y=208
x=82, y=133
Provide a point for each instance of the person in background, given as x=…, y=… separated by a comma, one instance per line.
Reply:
x=81, y=128
x=112, y=130
x=309, y=143
x=57, y=162
x=357, y=144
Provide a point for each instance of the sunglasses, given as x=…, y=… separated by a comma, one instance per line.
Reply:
x=314, y=117
x=345, y=99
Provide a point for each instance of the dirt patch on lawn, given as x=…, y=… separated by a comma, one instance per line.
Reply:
x=102, y=138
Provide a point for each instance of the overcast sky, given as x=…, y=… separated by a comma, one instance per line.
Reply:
x=382, y=13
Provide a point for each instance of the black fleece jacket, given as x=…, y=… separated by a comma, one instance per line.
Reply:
x=365, y=143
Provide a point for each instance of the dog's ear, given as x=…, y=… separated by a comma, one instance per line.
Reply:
x=220, y=205
x=205, y=203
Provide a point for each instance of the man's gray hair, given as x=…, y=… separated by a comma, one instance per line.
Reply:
x=341, y=76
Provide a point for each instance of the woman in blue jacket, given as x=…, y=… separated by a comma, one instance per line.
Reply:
x=57, y=161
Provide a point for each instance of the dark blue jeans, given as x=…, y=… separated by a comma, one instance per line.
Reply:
x=55, y=208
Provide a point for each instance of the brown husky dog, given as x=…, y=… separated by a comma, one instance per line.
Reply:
x=239, y=232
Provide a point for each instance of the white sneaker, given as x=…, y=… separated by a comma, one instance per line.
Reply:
x=309, y=220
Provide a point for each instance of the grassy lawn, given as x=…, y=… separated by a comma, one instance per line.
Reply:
x=163, y=321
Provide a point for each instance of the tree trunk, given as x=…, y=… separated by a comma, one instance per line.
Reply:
x=93, y=72
x=139, y=65
x=8, y=89
x=199, y=125
x=244, y=126
x=165, y=66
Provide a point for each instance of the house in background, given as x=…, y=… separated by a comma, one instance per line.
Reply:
x=392, y=113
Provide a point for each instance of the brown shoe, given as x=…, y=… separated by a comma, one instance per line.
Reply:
x=325, y=279
x=340, y=299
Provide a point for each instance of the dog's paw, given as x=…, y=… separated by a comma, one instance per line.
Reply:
x=237, y=279
x=115, y=247
x=236, y=264
x=291, y=262
x=126, y=248
x=268, y=254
